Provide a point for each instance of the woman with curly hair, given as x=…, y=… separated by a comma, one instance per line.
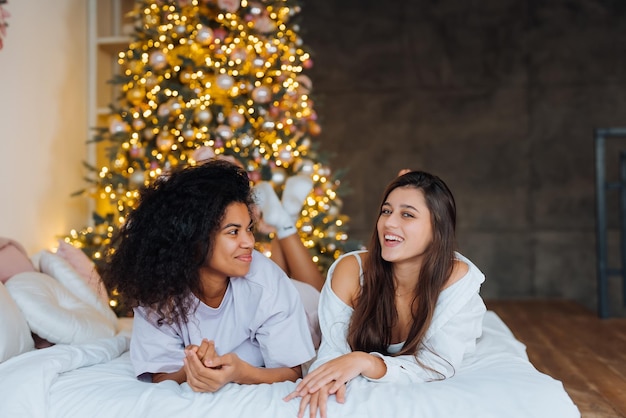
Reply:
x=208, y=308
x=407, y=310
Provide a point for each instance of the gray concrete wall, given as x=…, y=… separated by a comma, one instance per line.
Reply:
x=497, y=97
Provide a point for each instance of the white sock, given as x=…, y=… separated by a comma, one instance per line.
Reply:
x=297, y=188
x=272, y=211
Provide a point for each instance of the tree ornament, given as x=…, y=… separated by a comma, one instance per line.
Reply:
x=307, y=227
x=236, y=119
x=255, y=8
x=117, y=125
x=152, y=81
x=220, y=34
x=138, y=124
x=202, y=153
x=224, y=81
x=262, y=94
x=185, y=76
x=324, y=171
x=158, y=60
x=164, y=109
x=136, y=179
x=176, y=106
x=304, y=84
x=137, y=152
x=188, y=133
x=264, y=24
x=135, y=95
x=278, y=175
x=148, y=134
x=238, y=54
x=224, y=131
x=164, y=141
x=307, y=167
x=204, y=35
x=245, y=140
x=230, y=6
x=285, y=155
x=314, y=128
x=203, y=116
x=180, y=30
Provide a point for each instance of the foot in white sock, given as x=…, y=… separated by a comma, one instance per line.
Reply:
x=272, y=211
x=297, y=188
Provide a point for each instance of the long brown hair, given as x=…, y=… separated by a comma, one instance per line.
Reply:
x=375, y=312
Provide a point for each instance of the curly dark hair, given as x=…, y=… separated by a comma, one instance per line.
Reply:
x=154, y=258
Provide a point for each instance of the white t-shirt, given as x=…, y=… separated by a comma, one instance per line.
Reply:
x=261, y=319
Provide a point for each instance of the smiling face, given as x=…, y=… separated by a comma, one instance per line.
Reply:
x=404, y=225
x=233, y=244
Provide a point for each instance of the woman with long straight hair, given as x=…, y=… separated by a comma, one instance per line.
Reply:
x=406, y=310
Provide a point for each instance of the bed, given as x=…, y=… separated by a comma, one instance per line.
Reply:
x=92, y=376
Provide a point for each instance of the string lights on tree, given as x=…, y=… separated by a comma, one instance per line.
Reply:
x=215, y=78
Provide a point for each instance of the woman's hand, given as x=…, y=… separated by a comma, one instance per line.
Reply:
x=318, y=401
x=208, y=372
x=336, y=372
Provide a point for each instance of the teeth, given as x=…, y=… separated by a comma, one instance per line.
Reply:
x=393, y=238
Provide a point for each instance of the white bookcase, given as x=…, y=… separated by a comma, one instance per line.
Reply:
x=109, y=33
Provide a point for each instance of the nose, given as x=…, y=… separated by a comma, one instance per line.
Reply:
x=391, y=220
x=247, y=240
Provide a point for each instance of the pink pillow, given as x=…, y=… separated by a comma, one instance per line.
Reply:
x=83, y=265
x=13, y=259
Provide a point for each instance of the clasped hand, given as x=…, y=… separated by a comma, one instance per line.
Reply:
x=328, y=379
x=206, y=371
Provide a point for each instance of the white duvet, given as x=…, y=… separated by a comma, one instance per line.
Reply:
x=96, y=380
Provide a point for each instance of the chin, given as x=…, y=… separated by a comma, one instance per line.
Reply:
x=390, y=258
x=238, y=273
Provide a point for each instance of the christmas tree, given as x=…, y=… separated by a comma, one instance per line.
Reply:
x=209, y=78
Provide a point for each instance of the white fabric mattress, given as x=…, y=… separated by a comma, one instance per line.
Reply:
x=96, y=380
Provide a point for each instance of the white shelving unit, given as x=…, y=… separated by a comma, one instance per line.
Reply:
x=109, y=34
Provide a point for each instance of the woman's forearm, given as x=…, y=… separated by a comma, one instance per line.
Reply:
x=373, y=367
x=178, y=376
x=251, y=375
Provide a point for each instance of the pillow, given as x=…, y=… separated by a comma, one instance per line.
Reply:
x=55, y=266
x=83, y=265
x=13, y=259
x=54, y=313
x=15, y=335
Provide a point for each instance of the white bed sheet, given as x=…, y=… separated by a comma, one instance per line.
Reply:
x=96, y=380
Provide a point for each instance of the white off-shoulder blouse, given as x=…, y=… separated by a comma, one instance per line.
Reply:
x=451, y=337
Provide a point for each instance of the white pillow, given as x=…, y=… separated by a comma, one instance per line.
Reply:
x=54, y=313
x=55, y=266
x=84, y=266
x=15, y=337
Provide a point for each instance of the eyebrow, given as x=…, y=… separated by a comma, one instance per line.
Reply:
x=230, y=225
x=403, y=206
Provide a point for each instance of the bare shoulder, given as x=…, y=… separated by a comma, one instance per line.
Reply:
x=345, y=280
x=459, y=270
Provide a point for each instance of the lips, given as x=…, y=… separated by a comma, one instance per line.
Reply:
x=393, y=238
x=246, y=258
